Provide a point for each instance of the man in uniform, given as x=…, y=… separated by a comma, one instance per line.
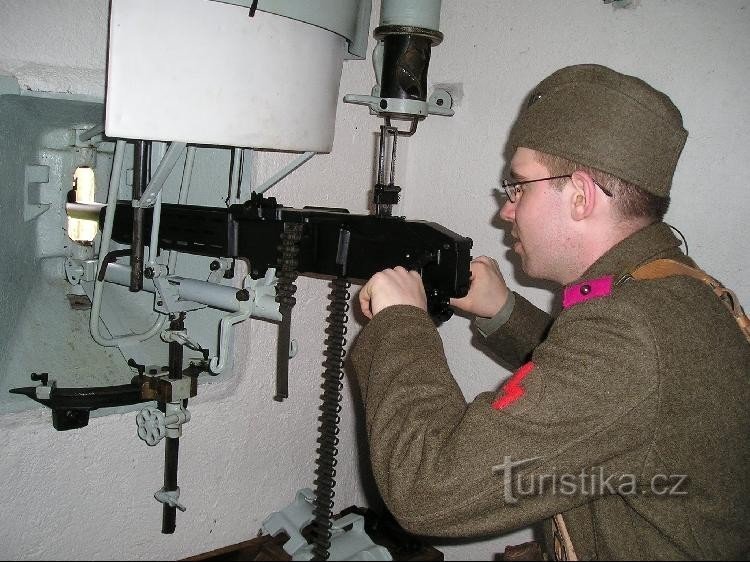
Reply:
x=628, y=412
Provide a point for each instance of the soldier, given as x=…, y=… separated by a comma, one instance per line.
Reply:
x=625, y=426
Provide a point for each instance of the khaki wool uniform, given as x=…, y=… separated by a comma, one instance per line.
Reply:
x=650, y=380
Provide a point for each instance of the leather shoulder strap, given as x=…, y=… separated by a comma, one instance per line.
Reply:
x=658, y=269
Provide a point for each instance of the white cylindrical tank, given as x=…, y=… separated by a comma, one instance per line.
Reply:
x=205, y=72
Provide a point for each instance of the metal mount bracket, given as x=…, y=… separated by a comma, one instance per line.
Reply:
x=292, y=519
x=181, y=337
x=264, y=300
x=170, y=498
x=439, y=103
x=80, y=270
x=349, y=541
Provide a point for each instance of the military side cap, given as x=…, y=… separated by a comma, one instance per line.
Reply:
x=613, y=122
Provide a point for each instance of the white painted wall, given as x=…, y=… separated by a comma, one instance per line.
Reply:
x=87, y=493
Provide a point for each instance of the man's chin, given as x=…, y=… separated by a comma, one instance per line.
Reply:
x=527, y=265
x=528, y=268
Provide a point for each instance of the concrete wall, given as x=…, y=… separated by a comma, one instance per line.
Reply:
x=87, y=494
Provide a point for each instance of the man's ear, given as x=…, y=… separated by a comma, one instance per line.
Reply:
x=584, y=195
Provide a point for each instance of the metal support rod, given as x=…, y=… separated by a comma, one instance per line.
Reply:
x=175, y=349
x=141, y=172
x=246, y=182
x=166, y=164
x=171, y=456
x=284, y=172
x=172, y=444
x=157, y=155
x=91, y=133
x=381, y=155
x=187, y=174
x=392, y=132
x=393, y=159
x=234, y=176
x=384, y=207
x=153, y=246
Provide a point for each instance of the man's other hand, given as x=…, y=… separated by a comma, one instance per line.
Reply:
x=390, y=287
x=487, y=292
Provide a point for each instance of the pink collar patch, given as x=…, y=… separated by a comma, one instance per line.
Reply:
x=587, y=290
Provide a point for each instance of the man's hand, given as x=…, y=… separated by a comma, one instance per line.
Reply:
x=488, y=291
x=390, y=287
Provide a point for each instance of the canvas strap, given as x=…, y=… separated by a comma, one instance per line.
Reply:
x=658, y=269
x=561, y=540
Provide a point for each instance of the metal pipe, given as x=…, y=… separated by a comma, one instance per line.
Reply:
x=119, y=274
x=84, y=211
x=109, y=221
x=106, y=238
x=214, y=295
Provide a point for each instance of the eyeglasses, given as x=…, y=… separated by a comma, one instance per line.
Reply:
x=513, y=188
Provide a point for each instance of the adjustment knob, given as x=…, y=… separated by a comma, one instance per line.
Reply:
x=152, y=426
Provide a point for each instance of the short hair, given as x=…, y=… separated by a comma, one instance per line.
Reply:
x=630, y=201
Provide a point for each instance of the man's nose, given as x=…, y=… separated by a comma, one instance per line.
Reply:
x=508, y=211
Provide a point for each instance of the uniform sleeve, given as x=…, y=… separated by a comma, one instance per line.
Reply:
x=439, y=462
x=516, y=339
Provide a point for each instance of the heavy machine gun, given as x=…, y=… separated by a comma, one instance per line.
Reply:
x=310, y=241
x=330, y=243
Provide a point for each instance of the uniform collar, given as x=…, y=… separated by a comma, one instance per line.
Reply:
x=653, y=241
